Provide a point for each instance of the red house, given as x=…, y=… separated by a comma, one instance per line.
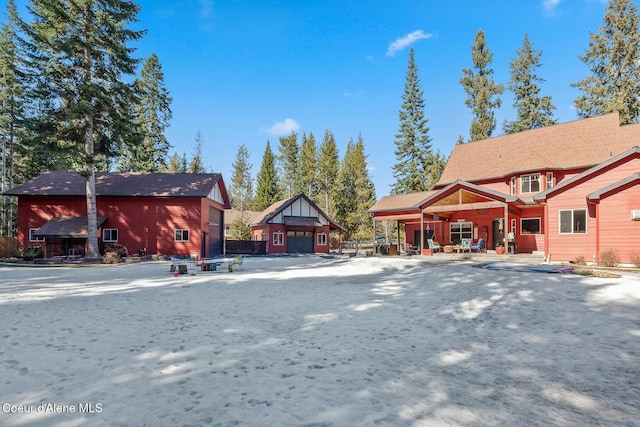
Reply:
x=158, y=213
x=294, y=225
x=569, y=191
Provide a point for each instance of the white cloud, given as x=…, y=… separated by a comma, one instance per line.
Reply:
x=550, y=5
x=405, y=41
x=350, y=94
x=282, y=128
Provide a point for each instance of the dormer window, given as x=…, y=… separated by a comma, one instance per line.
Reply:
x=513, y=185
x=530, y=183
x=549, y=179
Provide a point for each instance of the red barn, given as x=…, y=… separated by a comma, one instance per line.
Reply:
x=569, y=191
x=159, y=213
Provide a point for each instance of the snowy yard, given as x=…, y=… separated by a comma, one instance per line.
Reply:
x=313, y=341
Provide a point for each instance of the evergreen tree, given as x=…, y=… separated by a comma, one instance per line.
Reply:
x=534, y=111
x=196, y=165
x=12, y=108
x=356, y=193
x=177, y=164
x=288, y=161
x=613, y=58
x=80, y=52
x=308, y=167
x=267, y=187
x=241, y=188
x=328, y=167
x=413, y=146
x=153, y=115
x=482, y=90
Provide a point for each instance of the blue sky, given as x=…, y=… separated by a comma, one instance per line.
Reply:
x=248, y=71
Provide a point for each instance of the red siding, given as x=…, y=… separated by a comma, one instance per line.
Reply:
x=566, y=247
x=617, y=230
x=147, y=222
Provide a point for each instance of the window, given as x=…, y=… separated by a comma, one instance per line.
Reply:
x=549, y=179
x=182, y=235
x=32, y=238
x=110, y=234
x=513, y=225
x=461, y=230
x=278, y=238
x=530, y=226
x=263, y=237
x=530, y=183
x=573, y=221
x=322, y=239
x=513, y=185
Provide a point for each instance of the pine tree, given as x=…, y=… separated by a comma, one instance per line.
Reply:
x=613, y=58
x=288, y=162
x=177, y=164
x=153, y=115
x=413, y=146
x=328, y=167
x=267, y=187
x=241, y=188
x=482, y=90
x=534, y=111
x=308, y=167
x=196, y=165
x=12, y=108
x=80, y=53
x=356, y=193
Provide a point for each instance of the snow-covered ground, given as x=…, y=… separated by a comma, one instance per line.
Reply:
x=312, y=341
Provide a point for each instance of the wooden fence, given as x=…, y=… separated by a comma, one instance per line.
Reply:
x=8, y=246
x=246, y=247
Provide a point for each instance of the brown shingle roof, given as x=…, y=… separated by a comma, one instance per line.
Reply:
x=277, y=207
x=67, y=227
x=581, y=143
x=132, y=184
x=399, y=202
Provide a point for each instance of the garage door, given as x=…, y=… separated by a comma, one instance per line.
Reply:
x=300, y=242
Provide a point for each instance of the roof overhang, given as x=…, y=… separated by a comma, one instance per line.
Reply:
x=66, y=227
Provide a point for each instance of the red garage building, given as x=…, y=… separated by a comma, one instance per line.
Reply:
x=159, y=213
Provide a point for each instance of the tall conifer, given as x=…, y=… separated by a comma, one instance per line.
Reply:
x=613, y=58
x=534, y=111
x=481, y=89
x=288, y=161
x=414, y=156
x=328, y=166
x=82, y=55
x=267, y=186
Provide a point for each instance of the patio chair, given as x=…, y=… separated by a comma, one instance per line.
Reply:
x=433, y=246
x=465, y=245
x=479, y=246
x=237, y=263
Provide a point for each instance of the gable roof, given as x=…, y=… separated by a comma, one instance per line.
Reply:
x=127, y=184
x=276, y=208
x=581, y=143
x=635, y=151
x=613, y=188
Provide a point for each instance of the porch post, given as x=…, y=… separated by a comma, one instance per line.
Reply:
x=421, y=231
x=505, y=229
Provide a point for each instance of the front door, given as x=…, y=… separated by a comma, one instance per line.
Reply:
x=498, y=232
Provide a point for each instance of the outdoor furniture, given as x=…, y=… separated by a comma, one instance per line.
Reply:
x=236, y=263
x=479, y=246
x=434, y=246
x=465, y=245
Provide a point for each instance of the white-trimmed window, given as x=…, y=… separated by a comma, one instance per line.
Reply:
x=549, y=179
x=182, y=235
x=530, y=226
x=513, y=225
x=322, y=239
x=573, y=221
x=33, y=238
x=461, y=230
x=110, y=235
x=513, y=185
x=530, y=183
x=278, y=238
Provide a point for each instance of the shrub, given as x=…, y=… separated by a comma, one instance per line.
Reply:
x=30, y=253
x=111, y=258
x=635, y=259
x=121, y=250
x=609, y=257
x=580, y=260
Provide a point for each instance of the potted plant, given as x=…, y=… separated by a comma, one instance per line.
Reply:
x=500, y=249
